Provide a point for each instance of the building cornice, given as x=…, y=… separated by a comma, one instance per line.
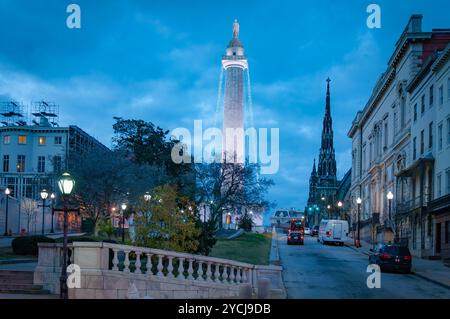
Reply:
x=442, y=59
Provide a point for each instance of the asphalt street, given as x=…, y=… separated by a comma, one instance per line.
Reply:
x=338, y=272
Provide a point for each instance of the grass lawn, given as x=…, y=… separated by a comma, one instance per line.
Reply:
x=7, y=253
x=250, y=248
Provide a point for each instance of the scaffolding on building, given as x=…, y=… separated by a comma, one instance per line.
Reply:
x=45, y=113
x=13, y=113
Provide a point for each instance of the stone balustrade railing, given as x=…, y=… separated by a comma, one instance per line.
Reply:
x=163, y=263
x=108, y=270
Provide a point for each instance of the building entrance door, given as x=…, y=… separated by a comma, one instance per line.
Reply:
x=438, y=238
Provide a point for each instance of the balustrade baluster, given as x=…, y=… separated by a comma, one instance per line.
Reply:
x=115, y=260
x=149, y=265
x=180, y=268
x=190, y=270
x=126, y=263
x=138, y=263
x=216, y=273
x=170, y=267
x=208, y=272
x=232, y=276
x=160, y=266
x=244, y=275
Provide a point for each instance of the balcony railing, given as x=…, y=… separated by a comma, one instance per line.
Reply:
x=417, y=202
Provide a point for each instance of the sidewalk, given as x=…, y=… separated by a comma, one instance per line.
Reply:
x=431, y=270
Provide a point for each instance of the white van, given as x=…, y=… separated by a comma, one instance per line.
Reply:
x=333, y=231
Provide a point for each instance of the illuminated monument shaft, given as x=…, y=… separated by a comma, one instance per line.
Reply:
x=235, y=63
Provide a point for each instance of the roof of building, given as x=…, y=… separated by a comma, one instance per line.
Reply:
x=411, y=34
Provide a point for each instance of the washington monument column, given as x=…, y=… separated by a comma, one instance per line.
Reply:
x=235, y=63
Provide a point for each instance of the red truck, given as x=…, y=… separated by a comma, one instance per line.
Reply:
x=297, y=226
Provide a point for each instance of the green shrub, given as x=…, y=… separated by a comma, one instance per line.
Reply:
x=87, y=225
x=246, y=222
x=28, y=245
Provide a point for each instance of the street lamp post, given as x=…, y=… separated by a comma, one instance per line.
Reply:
x=358, y=238
x=124, y=206
x=390, y=196
x=66, y=184
x=339, y=204
x=329, y=211
x=52, y=197
x=44, y=195
x=7, y=192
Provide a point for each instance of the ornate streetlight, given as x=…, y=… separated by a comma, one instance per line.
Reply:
x=52, y=197
x=339, y=204
x=66, y=184
x=390, y=196
x=358, y=239
x=147, y=196
x=44, y=196
x=124, y=207
x=7, y=192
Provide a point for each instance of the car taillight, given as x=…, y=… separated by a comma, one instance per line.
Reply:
x=407, y=258
x=385, y=256
x=328, y=233
x=289, y=237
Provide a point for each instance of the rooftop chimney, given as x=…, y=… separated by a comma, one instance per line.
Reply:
x=415, y=23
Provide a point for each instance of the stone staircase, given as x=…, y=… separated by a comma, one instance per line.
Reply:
x=19, y=282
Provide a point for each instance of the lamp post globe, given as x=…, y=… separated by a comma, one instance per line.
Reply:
x=65, y=184
x=44, y=194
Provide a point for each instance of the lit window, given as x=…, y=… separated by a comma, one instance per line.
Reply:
x=20, y=163
x=7, y=139
x=22, y=139
x=42, y=140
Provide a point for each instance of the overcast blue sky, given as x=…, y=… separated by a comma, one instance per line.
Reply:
x=160, y=61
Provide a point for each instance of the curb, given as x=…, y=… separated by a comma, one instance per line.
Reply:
x=412, y=273
x=274, y=252
x=356, y=249
x=431, y=280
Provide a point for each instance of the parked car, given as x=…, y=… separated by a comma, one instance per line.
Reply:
x=333, y=231
x=295, y=237
x=391, y=258
x=307, y=231
x=315, y=231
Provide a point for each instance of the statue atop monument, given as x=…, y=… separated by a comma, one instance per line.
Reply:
x=235, y=29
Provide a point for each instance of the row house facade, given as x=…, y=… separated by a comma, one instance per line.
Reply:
x=385, y=143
